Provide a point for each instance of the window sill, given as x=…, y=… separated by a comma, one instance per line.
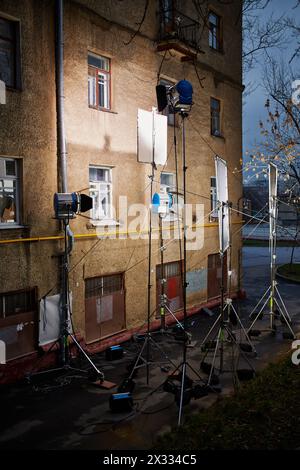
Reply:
x=12, y=226
x=218, y=136
x=218, y=51
x=103, y=223
x=111, y=111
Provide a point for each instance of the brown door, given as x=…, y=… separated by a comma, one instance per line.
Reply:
x=173, y=285
x=214, y=275
x=19, y=322
x=104, y=306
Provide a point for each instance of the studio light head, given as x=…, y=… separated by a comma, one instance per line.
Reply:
x=161, y=203
x=179, y=97
x=66, y=205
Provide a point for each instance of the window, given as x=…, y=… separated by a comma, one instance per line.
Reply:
x=19, y=322
x=168, y=111
x=9, y=192
x=101, y=192
x=99, y=81
x=104, y=306
x=13, y=303
x=215, y=115
x=104, y=285
x=167, y=181
x=213, y=197
x=214, y=24
x=10, y=53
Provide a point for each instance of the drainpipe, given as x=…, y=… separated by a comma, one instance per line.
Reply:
x=61, y=133
x=62, y=174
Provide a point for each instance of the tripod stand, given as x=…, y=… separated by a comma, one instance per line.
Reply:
x=224, y=333
x=184, y=365
x=140, y=360
x=272, y=294
x=65, y=334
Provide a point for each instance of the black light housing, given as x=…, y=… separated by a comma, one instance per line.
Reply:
x=66, y=205
x=179, y=96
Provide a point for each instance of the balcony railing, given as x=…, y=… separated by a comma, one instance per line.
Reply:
x=178, y=26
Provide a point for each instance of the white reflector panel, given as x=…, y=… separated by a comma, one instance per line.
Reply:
x=222, y=197
x=152, y=131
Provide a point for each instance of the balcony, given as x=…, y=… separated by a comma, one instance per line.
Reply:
x=180, y=33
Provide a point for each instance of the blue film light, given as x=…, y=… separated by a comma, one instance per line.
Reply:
x=185, y=91
x=161, y=202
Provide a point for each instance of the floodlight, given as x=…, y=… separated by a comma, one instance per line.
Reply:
x=66, y=205
x=161, y=203
x=179, y=96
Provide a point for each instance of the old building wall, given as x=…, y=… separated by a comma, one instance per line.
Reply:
x=109, y=138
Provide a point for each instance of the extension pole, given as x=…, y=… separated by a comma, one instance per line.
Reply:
x=222, y=292
x=163, y=280
x=184, y=284
x=273, y=216
x=60, y=98
x=64, y=356
x=150, y=248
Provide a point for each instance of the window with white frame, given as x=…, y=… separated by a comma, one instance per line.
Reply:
x=167, y=181
x=168, y=111
x=213, y=197
x=101, y=192
x=9, y=192
x=99, y=81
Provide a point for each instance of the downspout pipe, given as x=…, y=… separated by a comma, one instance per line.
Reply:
x=60, y=98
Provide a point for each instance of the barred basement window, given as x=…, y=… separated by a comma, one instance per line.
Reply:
x=99, y=81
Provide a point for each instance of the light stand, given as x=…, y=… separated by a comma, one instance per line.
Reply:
x=162, y=212
x=272, y=294
x=184, y=365
x=227, y=315
x=140, y=361
x=65, y=209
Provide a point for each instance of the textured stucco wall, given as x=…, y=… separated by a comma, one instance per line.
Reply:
x=28, y=131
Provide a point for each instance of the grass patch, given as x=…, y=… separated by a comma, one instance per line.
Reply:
x=291, y=271
x=264, y=414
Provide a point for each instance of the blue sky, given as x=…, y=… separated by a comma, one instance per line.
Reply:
x=254, y=109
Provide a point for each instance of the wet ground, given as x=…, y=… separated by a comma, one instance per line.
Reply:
x=68, y=412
